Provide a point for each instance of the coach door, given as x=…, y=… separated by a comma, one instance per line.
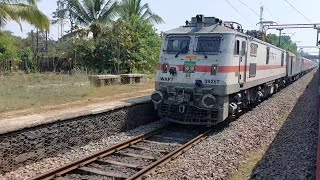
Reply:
x=241, y=51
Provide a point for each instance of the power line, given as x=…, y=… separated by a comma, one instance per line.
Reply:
x=277, y=20
x=297, y=10
x=239, y=13
x=249, y=8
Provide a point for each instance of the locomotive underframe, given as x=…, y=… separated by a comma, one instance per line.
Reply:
x=191, y=111
x=183, y=104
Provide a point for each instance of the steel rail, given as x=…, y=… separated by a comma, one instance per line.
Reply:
x=149, y=169
x=58, y=172
x=82, y=162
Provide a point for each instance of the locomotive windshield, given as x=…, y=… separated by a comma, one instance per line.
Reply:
x=209, y=44
x=178, y=44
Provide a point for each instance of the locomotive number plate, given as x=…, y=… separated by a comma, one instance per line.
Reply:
x=211, y=81
x=166, y=79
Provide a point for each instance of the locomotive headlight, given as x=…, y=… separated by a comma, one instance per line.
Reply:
x=208, y=101
x=165, y=67
x=214, y=69
x=157, y=97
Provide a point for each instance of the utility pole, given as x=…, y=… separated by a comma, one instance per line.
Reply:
x=261, y=19
x=280, y=30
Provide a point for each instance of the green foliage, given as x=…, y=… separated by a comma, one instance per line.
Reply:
x=286, y=42
x=255, y=34
x=8, y=51
x=91, y=13
x=147, y=45
x=23, y=10
x=130, y=8
x=19, y=49
x=97, y=14
x=128, y=46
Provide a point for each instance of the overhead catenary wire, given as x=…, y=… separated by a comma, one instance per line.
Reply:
x=298, y=11
x=240, y=13
x=249, y=8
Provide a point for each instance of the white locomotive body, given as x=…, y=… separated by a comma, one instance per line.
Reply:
x=208, y=71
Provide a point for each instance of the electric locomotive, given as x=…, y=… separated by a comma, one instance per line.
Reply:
x=210, y=70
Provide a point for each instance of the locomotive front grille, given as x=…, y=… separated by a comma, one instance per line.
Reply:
x=191, y=115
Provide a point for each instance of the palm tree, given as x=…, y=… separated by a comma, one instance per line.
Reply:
x=91, y=13
x=129, y=8
x=23, y=10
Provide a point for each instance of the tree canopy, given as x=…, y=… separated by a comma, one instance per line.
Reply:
x=121, y=43
x=90, y=13
x=93, y=15
x=23, y=10
x=127, y=46
x=129, y=8
x=285, y=43
x=8, y=51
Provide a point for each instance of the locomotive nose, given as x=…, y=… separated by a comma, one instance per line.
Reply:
x=157, y=97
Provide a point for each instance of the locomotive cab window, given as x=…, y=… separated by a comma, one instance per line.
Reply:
x=210, y=45
x=237, y=48
x=178, y=44
x=268, y=55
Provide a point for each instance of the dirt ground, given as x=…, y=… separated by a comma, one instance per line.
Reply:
x=25, y=94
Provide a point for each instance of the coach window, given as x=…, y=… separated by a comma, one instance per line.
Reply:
x=237, y=48
x=282, y=59
x=268, y=55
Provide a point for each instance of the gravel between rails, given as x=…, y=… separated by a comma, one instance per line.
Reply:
x=75, y=154
x=286, y=122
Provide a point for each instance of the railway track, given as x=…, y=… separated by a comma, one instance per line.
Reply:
x=135, y=158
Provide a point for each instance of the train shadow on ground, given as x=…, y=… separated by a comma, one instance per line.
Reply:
x=293, y=152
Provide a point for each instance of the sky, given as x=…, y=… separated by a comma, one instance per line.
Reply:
x=246, y=12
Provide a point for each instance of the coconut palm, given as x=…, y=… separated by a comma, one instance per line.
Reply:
x=23, y=10
x=129, y=8
x=91, y=13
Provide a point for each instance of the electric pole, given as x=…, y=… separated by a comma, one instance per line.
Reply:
x=280, y=30
x=261, y=19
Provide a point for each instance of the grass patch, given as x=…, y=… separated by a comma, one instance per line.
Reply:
x=280, y=119
x=245, y=170
x=34, y=91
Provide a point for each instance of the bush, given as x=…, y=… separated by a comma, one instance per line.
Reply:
x=126, y=47
x=8, y=51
